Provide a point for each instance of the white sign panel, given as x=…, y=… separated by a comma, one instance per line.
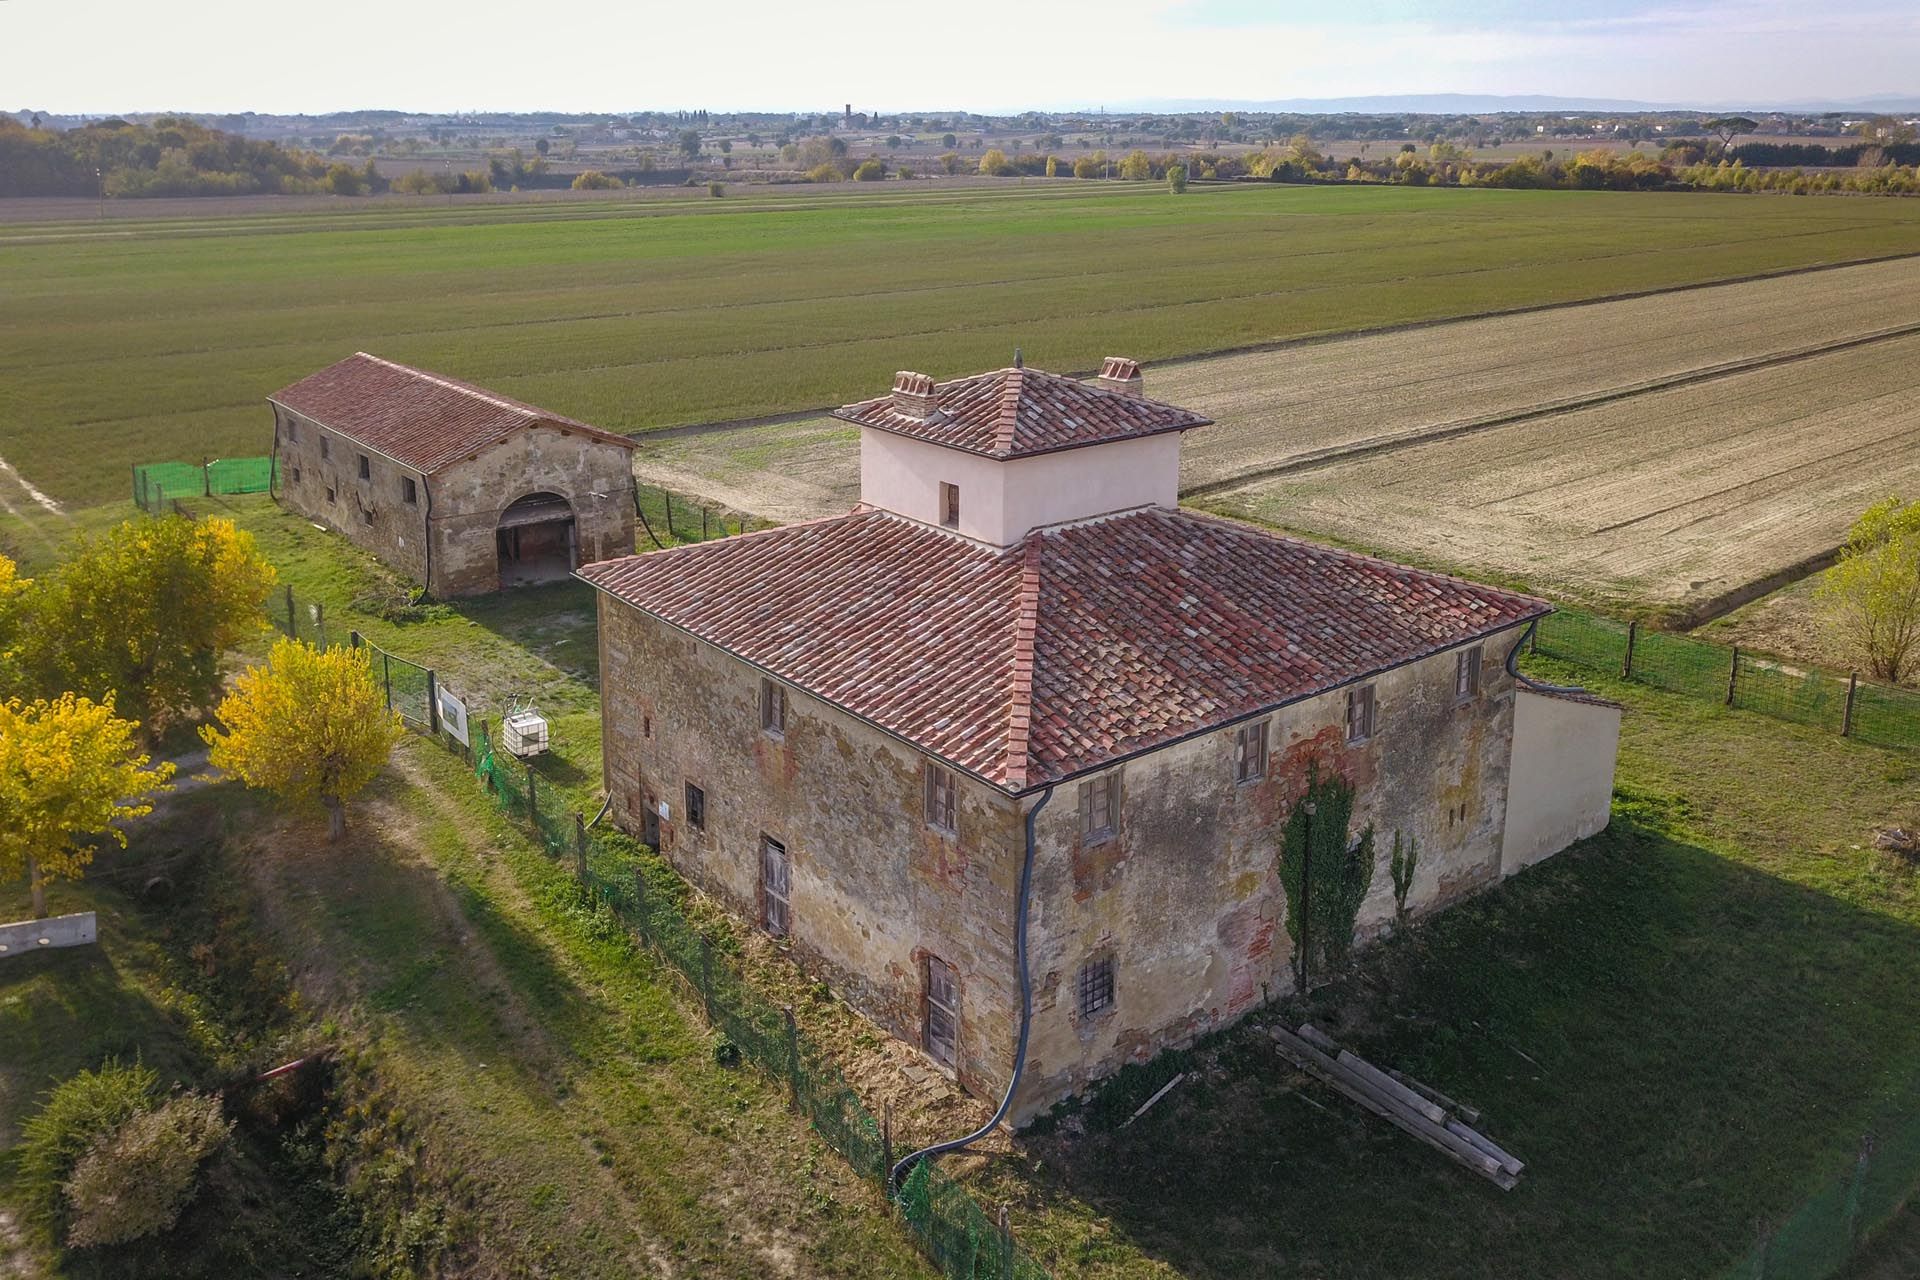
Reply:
x=453, y=715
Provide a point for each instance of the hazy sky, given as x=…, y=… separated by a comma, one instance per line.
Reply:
x=984, y=55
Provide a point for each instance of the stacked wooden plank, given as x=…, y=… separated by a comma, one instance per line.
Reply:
x=1427, y=1114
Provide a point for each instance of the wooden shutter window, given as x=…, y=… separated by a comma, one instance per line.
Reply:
x=776, y=887
x=1099, y=801
x=1250, y=752
x=941, y=800
x=942, y=1020
x=1360, y=713
x=1466, y=675
x=773, y=708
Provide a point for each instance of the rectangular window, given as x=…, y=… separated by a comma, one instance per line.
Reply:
x=1099, y=808
x=1360, y=713
x=329, y=493
x=366, y=515
x=941, y=798
x=409, y=491
x=773, y=708
x=1250, y=752
x=1095, y=986
x=1466, y=675
x=943, y=1013
x=696, y=807
x=296, y=475
x=950, y=505
x=293, y=432
x=776, y=887
x=325, y=452
x=366, y=468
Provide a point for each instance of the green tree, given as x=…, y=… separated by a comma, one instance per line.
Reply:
x=310, y=726
x=689, y=143
x=543, y=146
x=594, y=180
x=144, y=614
x=69, y=770
x=343, y=180
x=869, y=171
x=1176, y=178
x=1727, y=128
x=995, y=164
x=1871, y=598
x=1138, y=166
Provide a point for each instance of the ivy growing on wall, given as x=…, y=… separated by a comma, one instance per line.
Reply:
x=1341, y=867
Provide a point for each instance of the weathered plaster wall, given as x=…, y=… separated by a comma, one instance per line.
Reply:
x=1185, y=897
x=1562, y=787
x=1000, y=501
x=874, y=889
x=372, y=513
x=468, y=497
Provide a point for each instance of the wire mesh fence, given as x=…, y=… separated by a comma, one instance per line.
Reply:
x=158, y=485
x=1831, y=1226
x=668, y=520
x=649, y=900
x=1843, y=704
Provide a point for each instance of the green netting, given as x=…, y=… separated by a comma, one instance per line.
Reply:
x=406, y=685
x=1790, y=693
x=1583, y=639
x=649, y=900
x=158, y=484
x=1681, y=664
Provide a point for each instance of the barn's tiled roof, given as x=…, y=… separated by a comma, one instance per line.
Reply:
x=419, y=419
x=1085, y=643
x=1010, y=413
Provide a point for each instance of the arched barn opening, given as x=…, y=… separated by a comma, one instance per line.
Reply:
x=536, y=540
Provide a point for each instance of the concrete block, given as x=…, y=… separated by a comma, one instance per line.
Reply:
x=23, y=936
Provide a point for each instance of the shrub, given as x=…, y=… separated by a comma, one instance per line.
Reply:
x=594, y=180
x=135, y=1182
x=1176, y=178
x=906, y=171
x=716, y=189
x=994, y=163
x=823, y=173
x=870, y=171
x=79, y=1112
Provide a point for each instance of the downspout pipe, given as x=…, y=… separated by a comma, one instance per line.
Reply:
x=1022, y=912
x=1521, y=678
x=426, y=525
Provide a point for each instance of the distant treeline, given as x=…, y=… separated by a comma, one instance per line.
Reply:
x=1813, y=155
x=171, y=156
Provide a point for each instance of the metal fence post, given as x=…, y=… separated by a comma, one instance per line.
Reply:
x=206, y=477
x=1626, y=666
x=703, y=524
x=886, y=1148
x=433, y=703
x=1846, y=714
x=293, y=620
x=668, y=495
x=706, y=976
x=1733, y=674
x=386, y=666
x=580, y=845
x=793, y=1058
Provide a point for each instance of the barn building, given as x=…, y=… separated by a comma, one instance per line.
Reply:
x=1016, y=682
x=459, y=489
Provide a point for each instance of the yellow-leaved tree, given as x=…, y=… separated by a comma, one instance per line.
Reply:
x=1871, y=598
x=147, y=609
x=69, y=768
x=310, y=726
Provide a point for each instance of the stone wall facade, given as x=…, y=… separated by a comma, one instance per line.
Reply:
x=874, y=890
x=457, y=510
x=1184, y=899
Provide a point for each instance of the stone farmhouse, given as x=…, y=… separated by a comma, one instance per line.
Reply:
x=1018, y=684
x=461, y=490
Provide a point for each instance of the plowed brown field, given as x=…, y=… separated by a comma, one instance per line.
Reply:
x=1664, y=450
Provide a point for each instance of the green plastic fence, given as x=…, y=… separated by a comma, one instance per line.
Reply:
x=158, y=484
x=943, y=1217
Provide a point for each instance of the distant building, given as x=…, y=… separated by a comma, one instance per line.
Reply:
x=461, y=490
x=1019, y=653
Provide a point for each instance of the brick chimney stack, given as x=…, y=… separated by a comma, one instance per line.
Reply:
x=913, y=395
x=1117, y=373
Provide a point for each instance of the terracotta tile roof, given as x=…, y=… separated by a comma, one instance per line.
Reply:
x=1085, y=643
x=419, y=419
x=1010, y=413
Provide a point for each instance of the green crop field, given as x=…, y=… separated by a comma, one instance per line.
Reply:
x=134, y=340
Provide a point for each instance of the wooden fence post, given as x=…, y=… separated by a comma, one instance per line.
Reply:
x=206, y=477
x=1846, y=715
x=1626, y=666
x=793, y=1058
x=703, y=524
x=1733, y=674
x=886, y=1148
x=320, y=625
x=533, y=801
x=433, y=703
x=580, y=846
x=1006, y=1240
x=706, y=976
x=386, y=666
x=293, y=619
x=668, y=495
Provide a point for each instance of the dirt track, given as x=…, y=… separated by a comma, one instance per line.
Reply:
x=1670, y=448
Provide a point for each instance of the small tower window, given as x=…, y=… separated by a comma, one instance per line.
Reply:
x=950, y=505
x=409, y=491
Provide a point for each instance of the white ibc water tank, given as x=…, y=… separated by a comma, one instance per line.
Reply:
x=524, y=733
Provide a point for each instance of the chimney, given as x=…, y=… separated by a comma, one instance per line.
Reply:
x=913, y=395
x=1117, y=373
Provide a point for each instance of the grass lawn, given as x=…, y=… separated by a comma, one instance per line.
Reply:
x=1684, y=1026
x=145, y=341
